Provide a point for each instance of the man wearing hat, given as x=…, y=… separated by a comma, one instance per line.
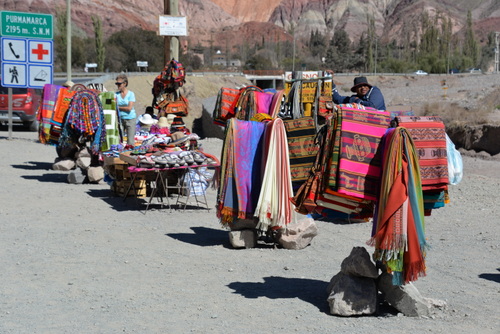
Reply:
x=366, y=94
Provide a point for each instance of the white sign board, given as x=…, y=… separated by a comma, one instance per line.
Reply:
x=173, y=25
x=13, y=49
x=142, y=63
x=14, y=75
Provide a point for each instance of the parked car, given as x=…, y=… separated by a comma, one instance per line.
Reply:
x=420, y=72
x=475, y=70
x=25, y=102
x=454, y=71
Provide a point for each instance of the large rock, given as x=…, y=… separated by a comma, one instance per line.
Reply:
x=478, y=138
x=358, y=263
x=95, y=174
x=243, y=224
x=352, y=295
x=299, y=235
x=404, y=298
x=64, y=164
x=76, y=177
x=243, y=238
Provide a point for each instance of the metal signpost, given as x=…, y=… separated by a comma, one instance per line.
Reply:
x=27, y=52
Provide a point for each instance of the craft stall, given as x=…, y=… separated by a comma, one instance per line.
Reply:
x=166, y=160
x=350, y=162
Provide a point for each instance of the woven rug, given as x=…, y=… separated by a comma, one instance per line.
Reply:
x=301, y=135
x=49, y=98
x=428, y=134
x=360, y=160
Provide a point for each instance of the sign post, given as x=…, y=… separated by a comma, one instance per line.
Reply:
x=27, y=51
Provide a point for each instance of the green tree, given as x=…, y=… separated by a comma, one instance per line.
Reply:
x=99, y=43
x=317, y=44
x=471, y=48
x=124, y=48
x=338, y=55
x=60, y=39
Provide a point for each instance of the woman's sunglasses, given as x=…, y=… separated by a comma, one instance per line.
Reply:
x=118, y=83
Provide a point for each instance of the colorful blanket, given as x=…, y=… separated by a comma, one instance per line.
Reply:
x=301, y=135
x=61, y=107
x=398, y=230
x=111, y=117
x=241, y=170
x=274, y=208
x=359, y=161
x=49, y=98
x=429, y=136
x=223, y=111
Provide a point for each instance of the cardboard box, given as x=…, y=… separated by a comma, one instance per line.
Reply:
x=129, y=158
x=109, y=161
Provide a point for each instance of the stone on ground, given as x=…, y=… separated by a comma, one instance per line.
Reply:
x=352, y=295
x=299, y=235
x=358, y=263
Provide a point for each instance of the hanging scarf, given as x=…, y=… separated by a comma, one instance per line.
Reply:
x=242, y=176
x=274, y=208
x=49, y=98
x=398, y=235
x=85, y=119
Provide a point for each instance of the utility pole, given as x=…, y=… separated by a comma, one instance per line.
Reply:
x=171, y=44
x=174, y=42
x=68, y=40
x=166, y=39
x=497, y=35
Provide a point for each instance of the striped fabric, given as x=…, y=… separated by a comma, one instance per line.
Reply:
x=223, y=110
x=301, y=135
x=359, y=161
x=428, y=133
x=49, y=98
x=111, y=117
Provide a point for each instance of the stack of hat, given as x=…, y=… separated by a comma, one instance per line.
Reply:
x=147, y=120
x=178, y=124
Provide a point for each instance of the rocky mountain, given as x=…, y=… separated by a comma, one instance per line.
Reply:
x=233, y=21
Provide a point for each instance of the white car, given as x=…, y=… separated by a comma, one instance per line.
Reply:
x=420, y=72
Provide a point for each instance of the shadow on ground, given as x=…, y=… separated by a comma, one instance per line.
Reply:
x=203, y=236
x=53, y=177
x=309, y=290
x=35, y=165
x=491, y=277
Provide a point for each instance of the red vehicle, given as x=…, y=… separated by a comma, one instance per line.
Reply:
x=25, y=102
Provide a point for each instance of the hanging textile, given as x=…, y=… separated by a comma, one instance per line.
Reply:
x=245, y=107
x=222, y=111
x=263, y=101
x=274, y=208
x=300, y=134
x=359, y=160
x=398, y=230
x=111, y=117
x=241, y=170
x=64, y=97
x=277, y=103
x=85, y=121
x=49, y=99
x=428, y=133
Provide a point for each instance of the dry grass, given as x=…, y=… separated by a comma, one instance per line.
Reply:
x=454, y=114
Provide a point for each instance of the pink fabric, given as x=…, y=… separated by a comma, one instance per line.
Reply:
x=359, y=163
x=263, y=102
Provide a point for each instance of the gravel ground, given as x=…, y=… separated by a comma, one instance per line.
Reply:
x=76, y=259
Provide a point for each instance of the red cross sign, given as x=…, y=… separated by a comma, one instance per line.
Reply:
x=40, y=51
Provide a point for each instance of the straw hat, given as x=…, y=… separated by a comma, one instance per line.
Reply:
x=163, y=122
x=170, y=118
x=68, y=84
x=146, y=119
